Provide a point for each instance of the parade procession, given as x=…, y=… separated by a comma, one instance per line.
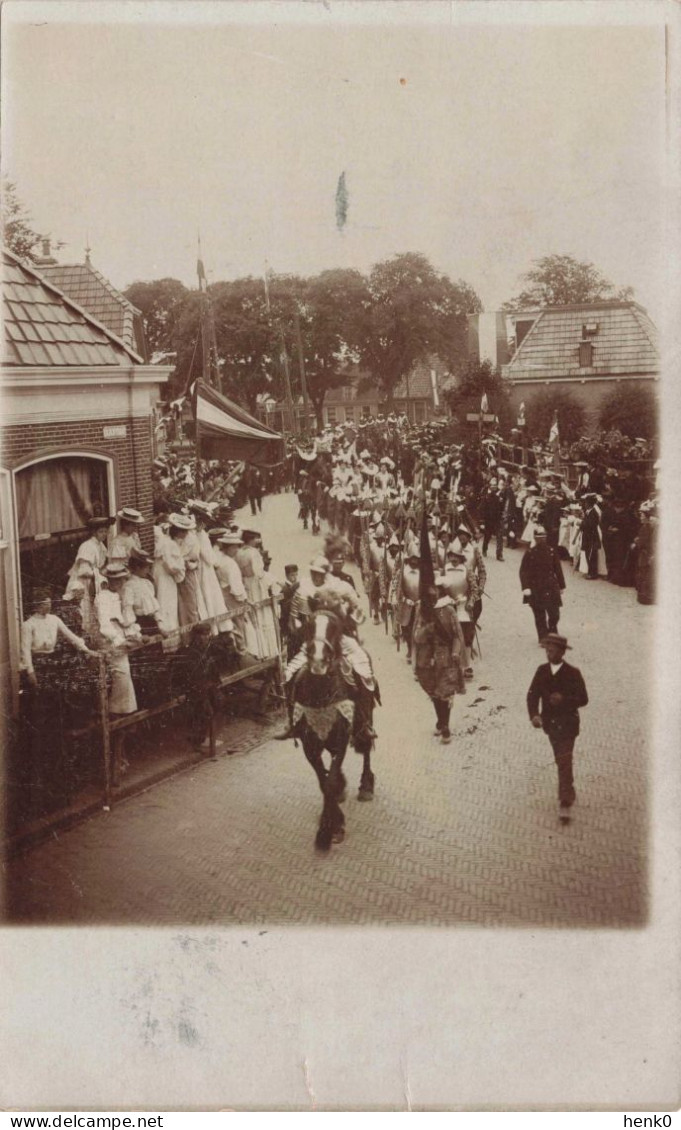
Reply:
x=269, y=576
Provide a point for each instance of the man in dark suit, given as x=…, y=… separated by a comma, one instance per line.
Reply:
x=556, y=694
x=542, y=581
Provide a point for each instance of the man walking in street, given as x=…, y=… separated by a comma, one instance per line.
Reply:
x=542, y=581
x=556, y=694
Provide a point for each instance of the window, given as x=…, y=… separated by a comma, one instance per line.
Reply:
x=60, y=494
x=366, y=411
x=349, y=415
x=589, y=329
x=419, y=412
x=586, y=354
x=331, y=415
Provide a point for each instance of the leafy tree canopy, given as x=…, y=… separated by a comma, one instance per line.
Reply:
x=412, y=312
x=560, y=280
x=17, y=233
x=541, y=411
x=160, y=303
x=631, y=410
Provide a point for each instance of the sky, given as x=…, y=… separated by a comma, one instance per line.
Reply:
x=482, y=143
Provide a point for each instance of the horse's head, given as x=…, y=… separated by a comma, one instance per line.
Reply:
x=323, y=643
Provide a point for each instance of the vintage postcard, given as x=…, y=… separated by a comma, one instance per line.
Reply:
x=338, y=555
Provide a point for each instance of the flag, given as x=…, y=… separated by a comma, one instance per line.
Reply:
x=484, y=404
x=341, y=202
x=427, y=572
x=200, y=270
x=267, y=289
x=553, y=434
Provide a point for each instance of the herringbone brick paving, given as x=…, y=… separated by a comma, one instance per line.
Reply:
x=459, y=834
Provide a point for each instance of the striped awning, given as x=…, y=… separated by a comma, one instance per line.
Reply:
x=227, y=431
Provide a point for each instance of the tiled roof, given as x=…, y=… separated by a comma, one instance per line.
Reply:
x=626, y=342
x=44, y=327
x=85, y=285
x=418, y=383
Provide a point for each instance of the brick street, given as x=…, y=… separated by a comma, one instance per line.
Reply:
x=465, y=833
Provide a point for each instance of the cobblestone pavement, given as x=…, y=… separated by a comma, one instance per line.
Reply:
x=465, y=833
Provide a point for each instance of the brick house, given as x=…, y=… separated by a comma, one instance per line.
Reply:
x=586, y=348
x=77, y=409
x=418, y=396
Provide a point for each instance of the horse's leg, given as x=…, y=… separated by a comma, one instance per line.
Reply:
x=363, y=737
x=313, y=752
x=367, y=781
x=332, y=823
x=335, y=790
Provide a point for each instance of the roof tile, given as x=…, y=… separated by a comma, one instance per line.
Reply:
x=42, y=327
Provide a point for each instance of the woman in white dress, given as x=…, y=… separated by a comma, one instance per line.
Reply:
x=85, y=575
x=114, y=639
x=191, y=605
x=127, y=539
x=208, y=581
x=250, y=561
x=169, y=572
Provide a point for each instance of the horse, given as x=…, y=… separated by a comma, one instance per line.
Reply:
x=331, y=706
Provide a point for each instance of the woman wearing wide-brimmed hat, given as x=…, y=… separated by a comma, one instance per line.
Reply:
x=114, y=638
x=191, y=605
x=169, y=572
x=85, y=575
x=127, y=539
x=208, y=580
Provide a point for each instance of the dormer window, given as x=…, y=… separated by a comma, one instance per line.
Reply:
x=586, y=354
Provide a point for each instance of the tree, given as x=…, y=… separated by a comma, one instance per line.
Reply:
x=560, y=280
x=412, y=312
x=160, y=303
x=17, y=233
x=541, y=412
x=631, y=410
x=476, y=379
x=332, y=318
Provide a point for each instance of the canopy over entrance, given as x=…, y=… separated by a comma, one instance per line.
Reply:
x=227, y=431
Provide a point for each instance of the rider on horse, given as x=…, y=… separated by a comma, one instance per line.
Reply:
x=327, y=593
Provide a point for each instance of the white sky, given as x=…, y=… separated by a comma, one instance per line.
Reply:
x=503, y=143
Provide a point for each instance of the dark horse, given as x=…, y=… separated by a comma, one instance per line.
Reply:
x=331, y=707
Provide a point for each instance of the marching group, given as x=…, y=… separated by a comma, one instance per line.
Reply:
x=418, y=515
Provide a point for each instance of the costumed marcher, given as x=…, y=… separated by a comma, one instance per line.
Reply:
x=407, y=599
x=460, y=586
x=542, y=581
x=438, y=654
x=556, y=694
x=473, y=559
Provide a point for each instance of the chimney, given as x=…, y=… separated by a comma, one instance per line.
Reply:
x=46, y=259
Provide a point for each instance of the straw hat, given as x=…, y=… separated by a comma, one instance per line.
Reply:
x=128, y=514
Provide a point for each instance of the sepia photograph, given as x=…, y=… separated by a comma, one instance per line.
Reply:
x=337, y=421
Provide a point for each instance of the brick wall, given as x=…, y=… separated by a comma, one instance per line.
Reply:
x=131, y=455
